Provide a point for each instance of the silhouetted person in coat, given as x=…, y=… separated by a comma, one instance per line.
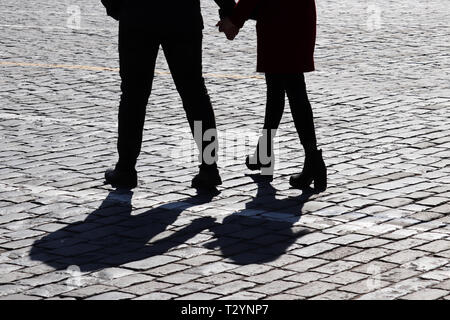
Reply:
x=176, y=26
x=286, y=34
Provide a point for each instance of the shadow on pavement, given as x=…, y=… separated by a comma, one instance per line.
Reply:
x=111, y=236
x=246, y=240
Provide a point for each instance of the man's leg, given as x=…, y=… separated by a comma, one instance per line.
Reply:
x=137, y=52
x=184, y=57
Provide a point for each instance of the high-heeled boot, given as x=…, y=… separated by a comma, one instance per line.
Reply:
x=314, y=170
x=262, y=159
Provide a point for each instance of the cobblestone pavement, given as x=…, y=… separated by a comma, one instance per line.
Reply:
x=381, y=100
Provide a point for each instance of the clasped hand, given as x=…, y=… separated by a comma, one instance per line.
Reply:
x=226, y=26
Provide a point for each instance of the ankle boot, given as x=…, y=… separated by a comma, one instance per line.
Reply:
x=254, y=162
x=314, y=170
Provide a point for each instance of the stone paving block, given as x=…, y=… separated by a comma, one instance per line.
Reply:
x=305, y=265
x=388, y=293
x=49, y=290
x=44, y=279
x=436, y=246
x=375, y=267
x=313, y=238
x=379, y=230
x=283, y=260
x=339, y=253
x=113, y=295
x=111, y=273
x=199, y=296
x=283, y=296
x=335, y=295
x=11, y=289
x=88, y=291
x=200, y=260
x=275, y=287
x=12, y=245
x=312, y=289
x=146, y=287
x=13, y=276
x=188, y=288
x=271, y=275
x=415, y=284
x=369, y=255
x=157, y=296
x=219, y=279
x=444, y=254
x=166, y=269
x=7, y=268
x=409, y=243
x=445, y=285
x=231, y=287
x=306, y=277
x=425, y=263
x=399, y=234
x=151, y=262
x=345, y=277
x=212, y=268
x=404, y=256
x=437, y=274
x=348, y=239
x=179, y=278
x=444, y=209
x=373, y=283
x=313, y=250
x=252, y=269
x=21, y=297
x=426, y=294
x=128, y=280
x=244, y=296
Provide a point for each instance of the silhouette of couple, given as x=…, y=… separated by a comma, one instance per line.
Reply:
x=286, y=32
x=112, y=236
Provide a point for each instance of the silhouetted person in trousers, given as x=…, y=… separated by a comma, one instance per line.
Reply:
x=286, y=33
x=176, y=25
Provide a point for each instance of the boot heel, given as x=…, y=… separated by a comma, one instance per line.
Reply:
x=254, y=163
x=268, y=169
x=320, y=173
x=314, y=170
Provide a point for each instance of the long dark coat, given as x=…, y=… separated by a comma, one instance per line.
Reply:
x=286, y=32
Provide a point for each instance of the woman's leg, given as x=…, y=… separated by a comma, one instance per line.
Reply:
x=275, y=101
x=314, y=168
x=263, y=157
x=301, y=111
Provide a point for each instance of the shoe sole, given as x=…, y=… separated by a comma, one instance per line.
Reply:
x=122, y=186
x=198, y=185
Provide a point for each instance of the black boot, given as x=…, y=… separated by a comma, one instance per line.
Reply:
x=315, y=170
x=254, y=162
x=207, y=178
x=121, y=179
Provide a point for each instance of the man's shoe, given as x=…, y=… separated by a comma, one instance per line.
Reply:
x=121, y=179
x=207, y=178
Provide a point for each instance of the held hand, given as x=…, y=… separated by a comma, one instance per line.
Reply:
x=226, y=26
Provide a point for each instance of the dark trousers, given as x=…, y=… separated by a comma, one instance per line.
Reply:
x=292, y=85
x=138, y=50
